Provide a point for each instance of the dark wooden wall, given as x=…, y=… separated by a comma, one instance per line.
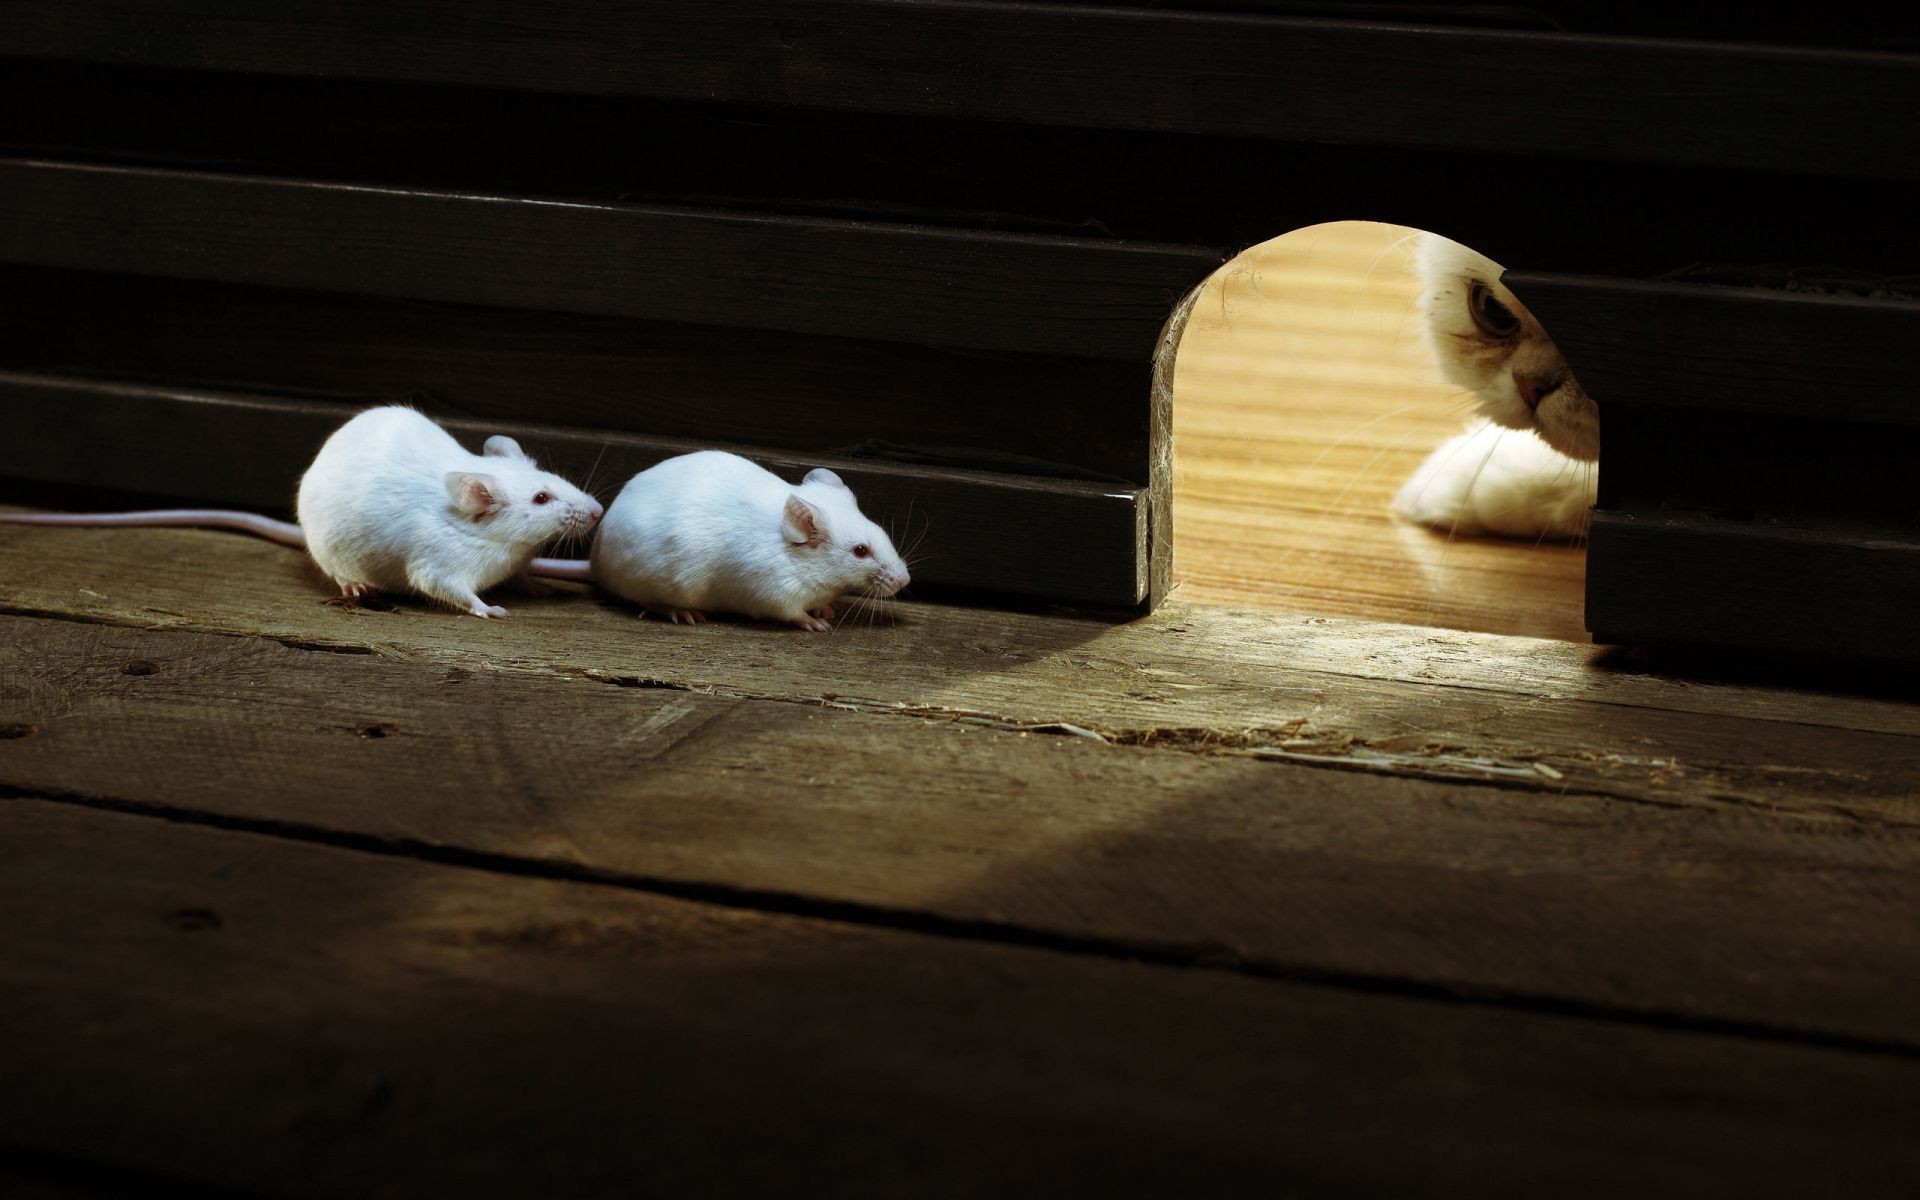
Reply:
x=932, y=243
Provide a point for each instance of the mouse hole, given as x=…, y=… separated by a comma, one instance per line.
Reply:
x=371, y=731
x=139, y=667
x=1327, y=456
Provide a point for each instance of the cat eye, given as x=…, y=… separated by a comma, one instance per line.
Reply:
x=862, y=550
x=542, y=497
x=1490, y=316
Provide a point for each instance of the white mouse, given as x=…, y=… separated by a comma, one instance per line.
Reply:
x=392, y=503
x=714, y=532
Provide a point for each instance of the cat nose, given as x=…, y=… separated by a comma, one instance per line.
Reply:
x=1532, y=389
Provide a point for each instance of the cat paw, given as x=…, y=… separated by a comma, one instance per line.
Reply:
x=1504, y=482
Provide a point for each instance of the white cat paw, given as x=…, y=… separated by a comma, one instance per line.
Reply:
x=1504, y=482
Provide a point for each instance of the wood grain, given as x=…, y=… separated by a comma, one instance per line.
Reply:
x=1541, y=896
x=433, y=1030
x=1352, y=695
x=1303, y=398
x=1741, y=106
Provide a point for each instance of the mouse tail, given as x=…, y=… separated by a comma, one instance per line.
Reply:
x=561, y=568
x=284, y=532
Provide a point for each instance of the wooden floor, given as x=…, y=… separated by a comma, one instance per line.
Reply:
x=1303, y=398
x=1225, y=901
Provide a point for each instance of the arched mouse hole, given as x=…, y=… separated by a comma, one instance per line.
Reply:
x=1329, y=395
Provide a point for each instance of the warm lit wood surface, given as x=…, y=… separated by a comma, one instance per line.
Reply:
x=301, y=900
x=1303, y=398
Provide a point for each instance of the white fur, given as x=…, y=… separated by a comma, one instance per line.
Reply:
x=1536, y=481
x=709, y=532
x=1491, y=480
x=379, y=509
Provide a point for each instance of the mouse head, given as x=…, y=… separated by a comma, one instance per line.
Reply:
x=841, y=549
x=516, y=502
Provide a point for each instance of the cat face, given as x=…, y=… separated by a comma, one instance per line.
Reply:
x=1486, y=341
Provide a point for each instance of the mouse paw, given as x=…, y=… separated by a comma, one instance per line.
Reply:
x=686, y=616
x=486, y=610
x=824, y=612
x=813, y=625
x=353, y=595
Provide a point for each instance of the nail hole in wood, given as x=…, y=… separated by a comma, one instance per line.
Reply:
x=140, y=667
x=17, y=731
x=193, y=920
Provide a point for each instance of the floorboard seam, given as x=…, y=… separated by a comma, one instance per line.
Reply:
x=1217, y=958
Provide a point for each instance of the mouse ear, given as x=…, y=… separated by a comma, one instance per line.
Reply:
x=502, y=446
x=473, y=494
x=800, y=523
x=822, y=475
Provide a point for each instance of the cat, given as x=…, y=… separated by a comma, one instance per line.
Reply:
x=1524, y=466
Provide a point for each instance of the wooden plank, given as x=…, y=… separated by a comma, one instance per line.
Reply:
x=1857, y=23
x=345, y=1022
x=1796, y=471
x=1682, y=579
x=1058, y=538
x=841, y=397
x=1740, y=106
x=1355, y=694
x=1636, y=220
x=1731, y=349
x=1029, y=293
x=1542, y=896
x=1215, y=665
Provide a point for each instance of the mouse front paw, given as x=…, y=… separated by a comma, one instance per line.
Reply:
x=486, y=610
x=686, y=616
x=813, y=625
x=824, y=612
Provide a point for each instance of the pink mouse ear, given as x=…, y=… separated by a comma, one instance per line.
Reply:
x=801, y=524
x=473, y=494
x=502, y=446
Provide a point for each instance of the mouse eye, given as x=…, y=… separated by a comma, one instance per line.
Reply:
x=542, y=497
x=1490, y=316
x=862, y=550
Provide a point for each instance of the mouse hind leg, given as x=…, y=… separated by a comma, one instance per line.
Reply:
x=353, y=594
x=454, y=593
